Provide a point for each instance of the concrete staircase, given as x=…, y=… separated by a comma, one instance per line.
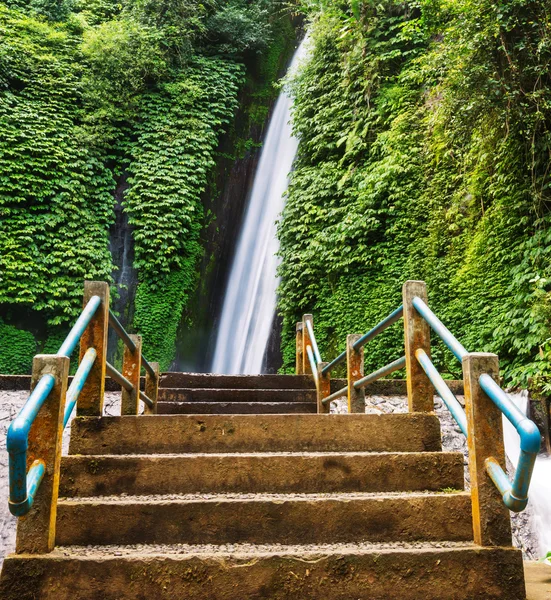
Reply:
x=237, y=493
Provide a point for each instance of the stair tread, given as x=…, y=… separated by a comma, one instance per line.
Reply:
x=311, y=453
x=254, y=497
x=245, y=550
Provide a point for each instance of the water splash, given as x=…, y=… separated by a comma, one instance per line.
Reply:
x=251, y=294
x=539, y=495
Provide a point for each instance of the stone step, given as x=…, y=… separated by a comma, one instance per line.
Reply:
x=264, y=519
x=261, y=472
x=235, y=408
x=331, y=572
x=235, y=395
x=176, y=434
x=250, y=382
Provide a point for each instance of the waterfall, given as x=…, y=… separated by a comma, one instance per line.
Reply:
x=250, y=300
x=539, y=493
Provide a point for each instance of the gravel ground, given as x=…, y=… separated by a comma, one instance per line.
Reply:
x=452, y=439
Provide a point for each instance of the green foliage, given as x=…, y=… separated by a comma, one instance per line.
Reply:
x=115, y=91
x=176, y=140
x=241, y=26
x=17, y=348
x=55, y=193
x=425, y=145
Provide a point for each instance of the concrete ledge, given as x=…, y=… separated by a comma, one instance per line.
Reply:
x=381, y=574
x=265, y=519
x=177, y=434
x=258, y=473
x=235, y=408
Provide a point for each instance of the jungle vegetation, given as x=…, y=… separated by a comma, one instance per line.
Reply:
x=105, y=101
x=424, y=154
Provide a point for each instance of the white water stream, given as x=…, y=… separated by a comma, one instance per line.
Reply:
x=250, y=301
x=539, y=494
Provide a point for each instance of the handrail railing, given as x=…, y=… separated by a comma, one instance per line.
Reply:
x=515, y=494
x=73, y=337
x=392, y=318
x=440, y=329
x=23, y=485
x=118, y=377
x=443, y=390
x=49, y=401
x=380, y=373
x=479, y=369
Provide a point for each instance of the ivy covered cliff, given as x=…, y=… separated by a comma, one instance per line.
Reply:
x=424, y=154
x=111, y=117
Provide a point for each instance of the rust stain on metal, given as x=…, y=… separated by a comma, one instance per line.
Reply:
x=131, y=366
x=152, y=388
x=36, y=531
x=90, y=400
x=306, y=341
x=491, y=522
x=354, y=372
x=324, y=389
x=416, y=335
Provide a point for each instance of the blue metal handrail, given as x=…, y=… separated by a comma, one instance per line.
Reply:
x=78, y=382
x=443, y=390
x=127, y=340
x=313, y=364
x=23, y=485
x=380, y=373
x=310, y=329
x=379, y=328
x=73, y=337
x=515, y=494
x=440, y=329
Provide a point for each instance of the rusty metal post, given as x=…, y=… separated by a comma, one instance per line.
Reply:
x=416, y=335
x=36, y=530
x=491, y=522
x=306, y=341
x=152, y=388
x=90, y=400
x=299, y=369
x=131, y=367
x=354, y=371
x=324, y=388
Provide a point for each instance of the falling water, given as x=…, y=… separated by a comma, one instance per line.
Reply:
x=250, y=300
x=540, y=488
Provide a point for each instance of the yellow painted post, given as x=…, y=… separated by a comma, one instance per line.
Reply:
x=354, y=372
x=36, y=530
x=152, y=388
x=90, y=400
x=299, y=368
x=491, y=521
x=131, y=367
x=416, y=335
x=306, y=341
x=324, y=388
